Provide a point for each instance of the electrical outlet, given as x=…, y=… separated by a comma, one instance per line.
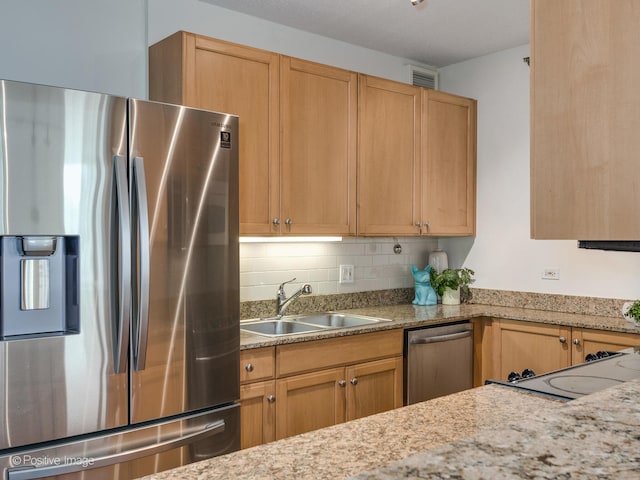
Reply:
x=551, y=274
x=346, y=273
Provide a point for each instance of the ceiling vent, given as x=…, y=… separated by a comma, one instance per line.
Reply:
x=424, y=77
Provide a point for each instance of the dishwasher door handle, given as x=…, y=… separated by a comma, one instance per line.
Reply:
x=440, y=338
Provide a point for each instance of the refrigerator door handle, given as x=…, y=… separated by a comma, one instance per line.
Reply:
x=133, y=454
x=142, y=238
x=121, y=263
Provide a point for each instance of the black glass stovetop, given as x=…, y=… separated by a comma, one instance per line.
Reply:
x=579, y=380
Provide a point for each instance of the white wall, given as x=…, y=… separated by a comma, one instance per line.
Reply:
x=89, y=45
x=168, y=16
x=502, y=253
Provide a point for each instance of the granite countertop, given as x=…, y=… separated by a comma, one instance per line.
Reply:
x=407, y=316
x=490, y=432
x=593, y=437
x=372, y=442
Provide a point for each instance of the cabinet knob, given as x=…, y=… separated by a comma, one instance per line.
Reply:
x=354, y=381
x=249, y=367
x=288, y=221
x=276, y=221
x=562, y=340
x=342, y=383
x=418, y=224
x=271, y=399
x=576, y=341
x=426, y=224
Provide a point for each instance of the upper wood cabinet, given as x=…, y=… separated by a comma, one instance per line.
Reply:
x=449, y=164
x=298, y=123
x=585, y=119
x=388, y=157
x=201, y=72
x=318, y=124
x=325, y=151
x=416, y=160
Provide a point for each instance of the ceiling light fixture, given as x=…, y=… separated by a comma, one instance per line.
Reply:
x=416, y=2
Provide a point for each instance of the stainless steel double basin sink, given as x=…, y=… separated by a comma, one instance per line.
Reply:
x=294, y=324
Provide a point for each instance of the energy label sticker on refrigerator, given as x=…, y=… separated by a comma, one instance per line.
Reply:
x=225, y=139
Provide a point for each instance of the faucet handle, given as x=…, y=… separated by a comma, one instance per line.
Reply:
x=284, y=283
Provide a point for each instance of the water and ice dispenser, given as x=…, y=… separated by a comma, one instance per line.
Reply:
x=39, y=286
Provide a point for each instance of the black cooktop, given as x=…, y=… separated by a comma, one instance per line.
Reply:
x=574, y=382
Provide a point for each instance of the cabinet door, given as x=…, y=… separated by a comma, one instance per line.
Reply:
x=318, y=118
x=388, y=157
x=230, y=78
x=257, y=413
x=586, y=341
x=373, y=387
x=584, y=119
x=449, y=163
x=540, y=347
x=309, y=402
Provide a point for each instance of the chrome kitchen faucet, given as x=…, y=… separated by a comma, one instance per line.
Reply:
x=284, y=302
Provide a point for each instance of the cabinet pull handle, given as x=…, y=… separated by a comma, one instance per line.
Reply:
x=342, y=383
x=562, y=340
x=576, y=341
x=354, y=381
x=249, y=367
x=276, y=221
x=271, y=399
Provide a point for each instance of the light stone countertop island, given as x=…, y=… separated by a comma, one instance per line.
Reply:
x=371, y=442
x=490, y=432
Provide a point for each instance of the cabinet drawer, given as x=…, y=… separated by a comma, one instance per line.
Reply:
x=315, y=355
x=257, y=364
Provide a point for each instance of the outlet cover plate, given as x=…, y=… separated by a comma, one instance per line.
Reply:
x=346, y=274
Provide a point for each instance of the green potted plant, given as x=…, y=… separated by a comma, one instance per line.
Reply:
x=631, y=311
x=449, y=282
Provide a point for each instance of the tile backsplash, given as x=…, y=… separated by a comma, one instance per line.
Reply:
x=264, y=266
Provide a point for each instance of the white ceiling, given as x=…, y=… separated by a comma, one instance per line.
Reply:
x=435, y=32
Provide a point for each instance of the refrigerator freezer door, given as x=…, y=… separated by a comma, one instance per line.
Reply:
x=56, y=180
x=132, y=453
x=190, y=167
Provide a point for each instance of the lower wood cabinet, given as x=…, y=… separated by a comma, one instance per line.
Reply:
x=257, y=413
x=320, y=399
x=296, y=388
x=257, y=397
x=310, y=401
x=585, y=341
x=542, y=347
x=539, y=347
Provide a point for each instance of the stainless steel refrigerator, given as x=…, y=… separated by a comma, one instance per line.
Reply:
x=119, y=284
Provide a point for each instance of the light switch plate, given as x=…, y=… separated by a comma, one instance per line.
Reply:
x=346, y=273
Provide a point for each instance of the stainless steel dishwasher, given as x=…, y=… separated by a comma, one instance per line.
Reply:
x=439, y=361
